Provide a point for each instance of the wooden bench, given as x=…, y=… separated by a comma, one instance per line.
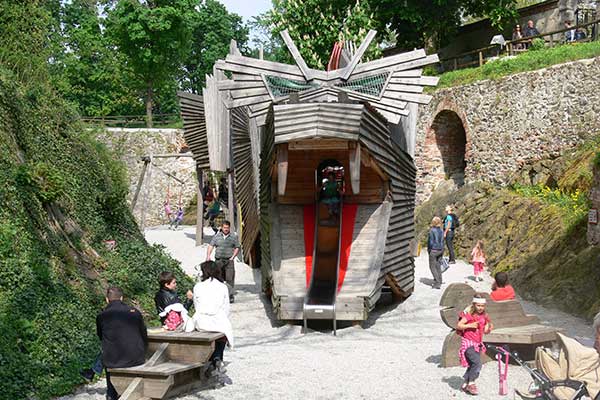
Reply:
x=511, y=325
x=173, y=366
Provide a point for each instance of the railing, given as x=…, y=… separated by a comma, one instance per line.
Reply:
x=480, y=56
x=133, y=121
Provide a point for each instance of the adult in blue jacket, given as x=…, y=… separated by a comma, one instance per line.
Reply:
x=435, y=248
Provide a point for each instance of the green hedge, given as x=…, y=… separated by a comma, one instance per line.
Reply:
x=62, y=195
x=527, y=61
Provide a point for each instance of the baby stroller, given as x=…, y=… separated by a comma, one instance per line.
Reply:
x=553, y=379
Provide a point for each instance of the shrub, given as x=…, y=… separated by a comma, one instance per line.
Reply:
x=537, y=44
x=62, y=194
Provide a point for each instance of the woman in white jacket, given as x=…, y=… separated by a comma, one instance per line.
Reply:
x=211, y=301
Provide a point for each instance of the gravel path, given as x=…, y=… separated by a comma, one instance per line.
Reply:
x=394, y=355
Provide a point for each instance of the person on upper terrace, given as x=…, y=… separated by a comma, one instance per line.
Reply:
x=570, y=34
x=517, y=35
x=530, y=30
x=501, y=290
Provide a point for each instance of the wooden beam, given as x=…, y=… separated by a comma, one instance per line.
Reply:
x=355, y=168
x=199, y=208
x=358, y=55
x=282, y=168
x=297, y=56
x=140, y=182
x=146, y=197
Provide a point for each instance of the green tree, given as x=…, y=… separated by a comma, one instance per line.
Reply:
x=87, y=68
x=155, y=37
x=315, y=25
x=213, y=29
x=431, y=23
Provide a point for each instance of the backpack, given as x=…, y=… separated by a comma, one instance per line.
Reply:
x=455, y=222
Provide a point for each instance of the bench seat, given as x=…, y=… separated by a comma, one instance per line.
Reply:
x=163, y=369
x=526, y=334
x=522, y=332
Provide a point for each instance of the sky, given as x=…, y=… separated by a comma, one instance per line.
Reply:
x=247, y=8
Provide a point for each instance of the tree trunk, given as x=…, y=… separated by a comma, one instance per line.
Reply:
x=149, y=94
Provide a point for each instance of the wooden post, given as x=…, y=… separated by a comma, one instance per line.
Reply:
x=551, y=40
x=480, y=58
x=510, y=49
x=146, y=196
x=146, y=161
x=232, y=218
x=199, y=208
x=455, y=64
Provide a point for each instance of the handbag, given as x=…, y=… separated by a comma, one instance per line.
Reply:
x=444, y=264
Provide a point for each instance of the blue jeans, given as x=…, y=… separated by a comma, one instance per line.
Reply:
x=97, y=367
x=450, y=244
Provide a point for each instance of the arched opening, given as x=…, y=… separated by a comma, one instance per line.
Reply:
x=447, y=143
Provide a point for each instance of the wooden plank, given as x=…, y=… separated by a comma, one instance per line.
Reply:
x=390, y=62
x=424, y=80
x=282, y=168
x=195, y=336
x=347, y=71
x=355, y=168
x=307, y=72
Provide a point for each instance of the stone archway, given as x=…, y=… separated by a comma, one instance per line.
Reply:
x=446, y=146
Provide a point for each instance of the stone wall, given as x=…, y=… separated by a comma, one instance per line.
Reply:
x=593, y=231
x=505, y=124
x=130, y=145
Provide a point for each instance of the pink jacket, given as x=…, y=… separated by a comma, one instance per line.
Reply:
x=477, y=256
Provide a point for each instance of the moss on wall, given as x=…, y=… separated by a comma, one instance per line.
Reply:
x=62, y=195
x=546, y=254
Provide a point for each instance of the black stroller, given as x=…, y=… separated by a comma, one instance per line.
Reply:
x=542, y=388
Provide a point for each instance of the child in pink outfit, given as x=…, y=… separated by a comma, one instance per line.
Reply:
x=478, y=260
x=473, y=323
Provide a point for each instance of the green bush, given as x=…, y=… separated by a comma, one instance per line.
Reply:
x=575, y=205
x=62, y=194
x=537, y=44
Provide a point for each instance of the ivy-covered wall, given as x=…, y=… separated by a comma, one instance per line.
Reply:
x=61, y=195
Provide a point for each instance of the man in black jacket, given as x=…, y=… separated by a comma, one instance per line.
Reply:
x=122, y=332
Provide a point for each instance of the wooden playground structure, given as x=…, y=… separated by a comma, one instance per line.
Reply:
x=277, y=130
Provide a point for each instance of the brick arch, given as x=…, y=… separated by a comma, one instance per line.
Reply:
x=447, y=144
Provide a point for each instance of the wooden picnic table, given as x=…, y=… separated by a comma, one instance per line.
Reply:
x=522, y=332
x=173, y=365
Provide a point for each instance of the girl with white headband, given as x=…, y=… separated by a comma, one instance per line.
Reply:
x=473, y=323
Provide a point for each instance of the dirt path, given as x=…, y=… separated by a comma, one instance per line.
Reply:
x=395, y=355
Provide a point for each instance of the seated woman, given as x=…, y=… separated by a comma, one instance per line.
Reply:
x=211, y=301
x=330, y=194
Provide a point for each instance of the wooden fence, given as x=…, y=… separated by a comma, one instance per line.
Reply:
x=133, y=121
x=478, y=57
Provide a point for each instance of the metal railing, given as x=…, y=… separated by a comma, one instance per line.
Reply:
x=132, y=121
x=480, y=56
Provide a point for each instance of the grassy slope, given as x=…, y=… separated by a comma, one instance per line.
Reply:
x=545, y=253
x=61, y=196
x=527, y=61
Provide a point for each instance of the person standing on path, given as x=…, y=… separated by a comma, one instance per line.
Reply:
x=450, y=223
x=227, y=248
x=123, y=334
x=435, y=248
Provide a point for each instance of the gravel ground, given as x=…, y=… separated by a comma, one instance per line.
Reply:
x=395, y=354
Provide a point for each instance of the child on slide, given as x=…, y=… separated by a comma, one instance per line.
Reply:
x=473, y=323
x=478, y=260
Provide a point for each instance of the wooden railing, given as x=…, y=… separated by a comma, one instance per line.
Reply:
x=132, y=121
x=478, y=57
